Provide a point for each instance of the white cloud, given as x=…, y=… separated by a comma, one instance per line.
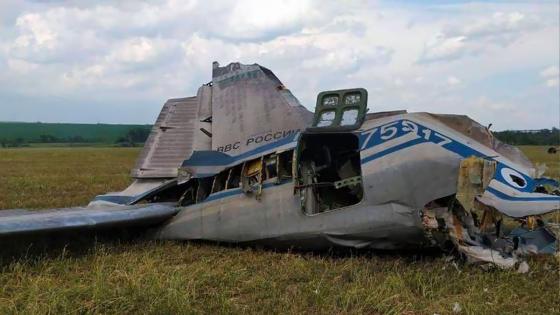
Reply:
x=453, y=81
x=21, y=66
x=85, y=76
x=551, y=76
x=499, y=24
x=36, y=31
x=476, y=35
x=255, y=19
x=552, y=71
x=552, y=82
x=441, y=47
x=134, y=50
x=440, y=58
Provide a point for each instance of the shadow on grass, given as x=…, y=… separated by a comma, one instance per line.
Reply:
x=32, y=248
x=68, y=243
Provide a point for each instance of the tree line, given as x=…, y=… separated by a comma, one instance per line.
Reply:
x=137, y=136
x=530, y=137
x=133, y=137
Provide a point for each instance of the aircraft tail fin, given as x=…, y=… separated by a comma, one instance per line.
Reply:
x=244, y=107
x=251, y=107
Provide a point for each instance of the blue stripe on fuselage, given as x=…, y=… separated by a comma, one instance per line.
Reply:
x=504, y=196
x=422, y=131
x=237, y=191
x=427, y=135
x=216, y=158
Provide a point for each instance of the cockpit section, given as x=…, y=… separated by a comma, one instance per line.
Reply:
x=328, y=172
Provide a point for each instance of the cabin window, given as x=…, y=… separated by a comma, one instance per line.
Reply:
x=189, y=195
x=169, y=192
x=285, y=165
x=271, y=166
x=204, y=188
x=252, y=177
x=234, y=177
x=220, y=181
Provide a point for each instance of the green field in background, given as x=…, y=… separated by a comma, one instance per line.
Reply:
x=99, y=133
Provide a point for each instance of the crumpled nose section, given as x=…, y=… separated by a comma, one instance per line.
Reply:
x=515, y=203
x=489, y=192
x=503, y=188
x=518, y=195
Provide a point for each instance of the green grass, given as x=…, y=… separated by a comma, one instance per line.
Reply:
x=62, y=177
x=139, y=276
x=538, y=155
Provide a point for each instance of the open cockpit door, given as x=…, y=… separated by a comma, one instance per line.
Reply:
x=329, y=174
x=328, y=171
x=340, y=110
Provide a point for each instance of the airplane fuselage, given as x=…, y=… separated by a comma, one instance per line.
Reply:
x=406, y=161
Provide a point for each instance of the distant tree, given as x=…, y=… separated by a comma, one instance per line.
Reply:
x=76, y=139
x=530, y=137
x=48, y=139
x=134, y=135
x=18, y=142
x=137, y=135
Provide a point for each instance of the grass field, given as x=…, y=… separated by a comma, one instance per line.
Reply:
x=140, y=276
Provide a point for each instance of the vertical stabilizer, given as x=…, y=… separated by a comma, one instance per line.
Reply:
x=251, y=108
x=245, y=107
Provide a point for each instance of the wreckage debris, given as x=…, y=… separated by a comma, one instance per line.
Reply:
x=478, y=231
x=243, y=161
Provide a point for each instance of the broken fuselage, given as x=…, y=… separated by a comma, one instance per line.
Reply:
x=244, y=162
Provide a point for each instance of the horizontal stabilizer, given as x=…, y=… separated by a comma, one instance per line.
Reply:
x=19, y=222
x=170, y=141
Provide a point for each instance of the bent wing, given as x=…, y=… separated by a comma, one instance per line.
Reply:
x=20, y=222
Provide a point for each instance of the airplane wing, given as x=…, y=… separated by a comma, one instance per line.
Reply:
x=20, y=222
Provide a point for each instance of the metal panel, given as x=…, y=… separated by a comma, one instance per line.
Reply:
x=251, y=108
x=18, y=222
x=170, y=141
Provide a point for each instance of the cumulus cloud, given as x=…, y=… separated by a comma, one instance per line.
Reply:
x=442, y=47
x=477, y=34
x=98, y=55
x=258, y=20
x=551, y=76
x=453, y=80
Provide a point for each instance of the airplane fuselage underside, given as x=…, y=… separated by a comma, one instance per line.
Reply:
x=277, y=220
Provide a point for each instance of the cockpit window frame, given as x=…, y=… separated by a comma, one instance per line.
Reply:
x=339, y=108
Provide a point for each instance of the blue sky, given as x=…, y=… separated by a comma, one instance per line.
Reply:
x=118, y=61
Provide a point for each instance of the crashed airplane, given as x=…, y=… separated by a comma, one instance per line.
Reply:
x=244, y=162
